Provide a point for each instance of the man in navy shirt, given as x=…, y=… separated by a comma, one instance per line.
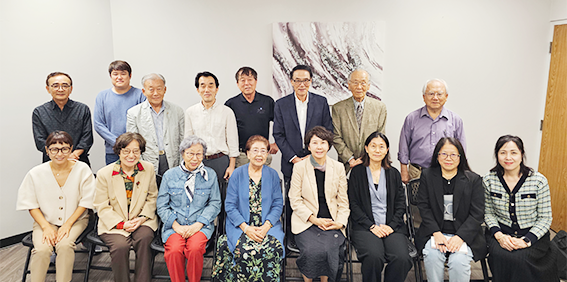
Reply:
x=62, y=113
x=253, y=112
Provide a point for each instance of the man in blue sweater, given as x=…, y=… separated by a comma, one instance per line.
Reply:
x=112, y=104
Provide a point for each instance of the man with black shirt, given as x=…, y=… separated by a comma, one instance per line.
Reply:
x=62, y=113
x=253, y=112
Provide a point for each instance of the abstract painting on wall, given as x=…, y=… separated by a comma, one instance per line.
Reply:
x=333, y=51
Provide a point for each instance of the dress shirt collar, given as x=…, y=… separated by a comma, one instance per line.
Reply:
x=356, y=103
x=202, y=107
x=424, y=112
x=298, y=102
x=160, y=110
x=243, y=99
x=54, y=105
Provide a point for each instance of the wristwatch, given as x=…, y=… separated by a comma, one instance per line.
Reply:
x=527, y=240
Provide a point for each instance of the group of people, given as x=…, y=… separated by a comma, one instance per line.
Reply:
x=182, y=169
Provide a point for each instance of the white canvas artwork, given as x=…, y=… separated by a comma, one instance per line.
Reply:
x=333, y=51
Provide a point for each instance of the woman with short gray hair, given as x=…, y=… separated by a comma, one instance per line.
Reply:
x=188, y=202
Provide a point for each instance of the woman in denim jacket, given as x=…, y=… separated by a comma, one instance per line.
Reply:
x=188, y=202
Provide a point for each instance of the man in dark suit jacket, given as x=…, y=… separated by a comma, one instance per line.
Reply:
x=294, y=115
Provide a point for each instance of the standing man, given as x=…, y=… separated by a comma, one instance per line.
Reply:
x=424, y=127
x=294, y=115
x=112, y=104
x=215, y=123
x=253, y=112
x=355, y=118
x=62, y=113
x=160, y=122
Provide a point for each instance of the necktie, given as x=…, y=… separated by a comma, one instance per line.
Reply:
x=359, y=115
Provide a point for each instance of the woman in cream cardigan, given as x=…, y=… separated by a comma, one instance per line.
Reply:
x=57, y=194
x=125, y=200
x=318, y=198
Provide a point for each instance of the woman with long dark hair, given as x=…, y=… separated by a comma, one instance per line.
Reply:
x=377, y=203
x=518, y=213
x=451, y=204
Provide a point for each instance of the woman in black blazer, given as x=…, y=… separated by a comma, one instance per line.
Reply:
x=377, y=202
x=451, y=204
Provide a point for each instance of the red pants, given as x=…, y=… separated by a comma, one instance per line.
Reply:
x=178, y=249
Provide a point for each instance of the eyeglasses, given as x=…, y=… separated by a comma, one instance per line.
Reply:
x=55, y=151
x=433, y=94
x=191, y=155
x=56, y=86
x=357, y=83
x=126, y=151
x=452, y=156
x=302, y=81
x=257, y=151
x=158, y=90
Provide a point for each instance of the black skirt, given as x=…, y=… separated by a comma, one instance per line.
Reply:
x=536, y=263
x=321, y=253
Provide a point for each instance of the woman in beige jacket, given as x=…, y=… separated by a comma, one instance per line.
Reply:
x=125, y=199
x=318, y=197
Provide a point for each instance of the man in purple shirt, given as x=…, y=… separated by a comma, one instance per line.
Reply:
x=424, y=127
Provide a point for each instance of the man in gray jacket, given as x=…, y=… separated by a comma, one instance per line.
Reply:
x=161, y=123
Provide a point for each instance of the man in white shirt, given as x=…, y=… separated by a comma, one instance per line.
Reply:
x=215, y=123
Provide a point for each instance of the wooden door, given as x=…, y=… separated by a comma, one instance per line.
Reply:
x=553, y=154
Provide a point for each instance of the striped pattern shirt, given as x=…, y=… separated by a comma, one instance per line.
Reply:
x=528, y=207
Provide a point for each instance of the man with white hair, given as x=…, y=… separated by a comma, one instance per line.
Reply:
x=424, y=127
x=160, y=122
x=355, y=118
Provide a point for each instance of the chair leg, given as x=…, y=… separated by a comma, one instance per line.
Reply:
x=26, y=266
x=417, y=270
x=89, y=261
x=484, y=270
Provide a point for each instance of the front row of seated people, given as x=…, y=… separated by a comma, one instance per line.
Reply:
x=515, y=205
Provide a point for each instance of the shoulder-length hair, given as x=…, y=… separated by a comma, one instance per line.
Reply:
x=463, y=163
x=518, y=141
x=386, y=162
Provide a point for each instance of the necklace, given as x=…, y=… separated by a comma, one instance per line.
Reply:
x=65, y=169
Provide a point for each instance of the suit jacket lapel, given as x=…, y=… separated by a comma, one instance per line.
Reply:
x=438, y=182
x=352, y=116
x=293, y=112
x=369, y=110
x=148, y=121
x=136, y=190
x=460, y=186
x=120, y=193
x=310, y=111
x=310, y=172
x=166, y=123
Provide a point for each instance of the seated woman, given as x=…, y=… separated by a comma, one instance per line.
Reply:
x=451, y=204
x=57, y=194
x=318, y=197
x=188, y=203
x=518, y=213
x=377, y=207
x=252, y=248
x=125, y=200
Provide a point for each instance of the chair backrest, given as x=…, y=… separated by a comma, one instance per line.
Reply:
x=413, y=188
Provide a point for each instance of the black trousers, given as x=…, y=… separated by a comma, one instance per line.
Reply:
x=374, y=252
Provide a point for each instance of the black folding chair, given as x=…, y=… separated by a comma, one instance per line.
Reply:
x=157, y=247
x=28, y=242
x=411, y=247
x=295, y=254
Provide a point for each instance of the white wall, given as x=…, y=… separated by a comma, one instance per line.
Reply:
x=492, y=53
x=37, y=38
